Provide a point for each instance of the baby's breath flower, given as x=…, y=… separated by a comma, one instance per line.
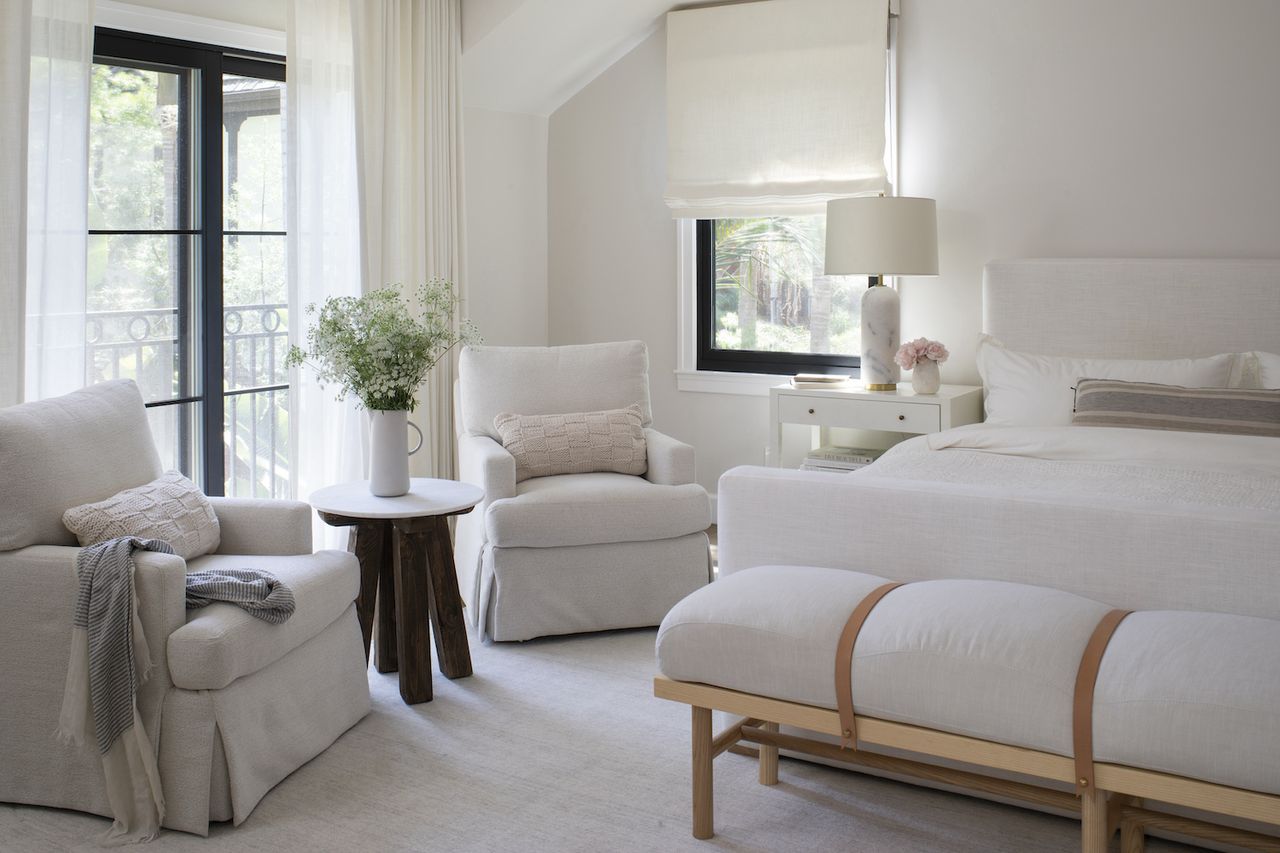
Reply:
x=380, y=346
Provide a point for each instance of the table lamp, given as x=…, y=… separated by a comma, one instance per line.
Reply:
x=878, y=236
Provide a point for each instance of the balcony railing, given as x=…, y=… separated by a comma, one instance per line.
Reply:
x=147, y=346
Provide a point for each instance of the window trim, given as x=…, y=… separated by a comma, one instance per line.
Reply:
x=211, y=61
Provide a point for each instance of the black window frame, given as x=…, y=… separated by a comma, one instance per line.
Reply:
x=212, y=62
x=745, y=361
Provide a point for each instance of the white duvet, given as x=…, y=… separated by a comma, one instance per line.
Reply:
x=1109, y=465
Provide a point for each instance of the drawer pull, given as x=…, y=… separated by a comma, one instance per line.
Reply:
x=811, y=411
x=902, y=417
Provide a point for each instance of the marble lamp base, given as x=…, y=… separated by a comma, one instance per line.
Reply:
x=880, y=338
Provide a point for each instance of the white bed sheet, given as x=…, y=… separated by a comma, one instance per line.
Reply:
x=1107, y=466
x=1142, y=519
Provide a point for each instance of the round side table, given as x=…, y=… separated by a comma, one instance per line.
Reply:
x=406, y=566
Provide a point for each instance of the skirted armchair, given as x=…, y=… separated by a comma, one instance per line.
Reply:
x=572, y=552
x=233, y=704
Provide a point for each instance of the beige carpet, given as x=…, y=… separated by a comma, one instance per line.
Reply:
x=558, y=745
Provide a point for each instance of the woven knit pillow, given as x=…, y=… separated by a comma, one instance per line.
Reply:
x=1145, y=405
x=579, y=443
x=170, y=507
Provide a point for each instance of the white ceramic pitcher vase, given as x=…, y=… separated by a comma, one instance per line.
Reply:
x=389, y=452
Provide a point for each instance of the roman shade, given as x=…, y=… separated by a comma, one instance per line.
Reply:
x=775, y=107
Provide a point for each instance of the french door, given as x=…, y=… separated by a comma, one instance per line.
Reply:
x=187, y=291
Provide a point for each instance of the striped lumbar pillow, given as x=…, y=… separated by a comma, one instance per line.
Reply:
x=1145, y=405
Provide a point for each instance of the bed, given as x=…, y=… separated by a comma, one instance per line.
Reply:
x=1138, y=519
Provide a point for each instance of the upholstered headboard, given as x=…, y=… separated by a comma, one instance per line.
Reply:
x=1128, y=308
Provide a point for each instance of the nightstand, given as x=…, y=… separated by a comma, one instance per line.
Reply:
x=853, y=407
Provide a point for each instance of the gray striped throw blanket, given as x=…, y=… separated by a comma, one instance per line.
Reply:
x=258, y=592
x=110, y=661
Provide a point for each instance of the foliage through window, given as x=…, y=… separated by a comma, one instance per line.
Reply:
x=764, y=305
x=187, y=292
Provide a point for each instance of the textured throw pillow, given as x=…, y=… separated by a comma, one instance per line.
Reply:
x=171, y=508
x=579, y=443
x=1026, y=389
x=1144, y=405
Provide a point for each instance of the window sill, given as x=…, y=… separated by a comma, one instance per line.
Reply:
x=726, y=382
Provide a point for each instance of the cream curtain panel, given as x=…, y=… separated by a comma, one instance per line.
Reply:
x=15, y=68
x=409, y=148
x=324, y=239
x=61, y=58
x=775, y=107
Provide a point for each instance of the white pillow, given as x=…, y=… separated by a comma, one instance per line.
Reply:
x=170, y=507
x=1037, y=390
x=1268, y=369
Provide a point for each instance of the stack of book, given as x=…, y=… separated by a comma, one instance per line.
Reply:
x=839, y=460
x=819, y=380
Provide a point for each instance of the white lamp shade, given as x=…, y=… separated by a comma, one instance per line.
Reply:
x=882, y=235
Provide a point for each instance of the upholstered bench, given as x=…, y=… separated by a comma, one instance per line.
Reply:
x=1171, y=707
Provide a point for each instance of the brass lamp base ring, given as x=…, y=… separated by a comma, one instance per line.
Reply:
x=891, y=386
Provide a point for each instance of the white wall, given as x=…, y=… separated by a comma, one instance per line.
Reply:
x=1143, y=128
x=505, y=165
x=612, y=261
x=1043, y=128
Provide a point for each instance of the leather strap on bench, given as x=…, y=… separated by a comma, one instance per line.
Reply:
x=1082, y=710
x=844, y=663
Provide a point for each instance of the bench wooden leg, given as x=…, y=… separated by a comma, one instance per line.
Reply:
x=1132, y=837
x=1094, y=833
x=769, y=758
x=703, y=805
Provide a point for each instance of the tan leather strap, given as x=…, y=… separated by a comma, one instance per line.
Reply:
x=1086, y=679
x=844, y=663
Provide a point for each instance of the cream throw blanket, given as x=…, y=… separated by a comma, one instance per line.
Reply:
x=109, y=661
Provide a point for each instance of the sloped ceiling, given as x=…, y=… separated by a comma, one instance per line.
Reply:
x=530, y=56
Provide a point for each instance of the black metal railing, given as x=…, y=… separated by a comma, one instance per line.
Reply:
x=149, y=346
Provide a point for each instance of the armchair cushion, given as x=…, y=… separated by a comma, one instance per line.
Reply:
x=551, y=380
x=594, y=509
x=221, y=642
x=575, y=443
x=67, y=451
x=170, y=508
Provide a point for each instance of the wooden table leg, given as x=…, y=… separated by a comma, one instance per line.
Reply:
x=386, y=657
x=413, y=640
x=447, y=621
x=366, y=543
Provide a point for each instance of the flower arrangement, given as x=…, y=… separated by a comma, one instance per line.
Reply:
x=380, y=346
x=912, y=352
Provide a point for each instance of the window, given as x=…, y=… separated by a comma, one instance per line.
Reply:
x=763, y=304
x=187, y=292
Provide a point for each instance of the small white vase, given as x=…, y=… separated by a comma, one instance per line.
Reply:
x=389, y=452
x=925, y=378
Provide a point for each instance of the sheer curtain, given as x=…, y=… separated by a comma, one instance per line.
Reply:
x=323, y=241
x=61, y=44
x=409, y=147
x=15, y=68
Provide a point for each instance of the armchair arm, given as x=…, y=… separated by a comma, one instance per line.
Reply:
x=670, y=461
x=264, y=527
x=38, y=590
x=487, y=464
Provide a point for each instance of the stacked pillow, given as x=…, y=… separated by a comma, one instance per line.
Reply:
x=1025, y=389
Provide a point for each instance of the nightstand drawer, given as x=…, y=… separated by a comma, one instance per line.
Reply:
x=885, y=414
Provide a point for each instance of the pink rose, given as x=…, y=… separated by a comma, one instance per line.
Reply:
x=936, y=351
x=906, y=357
